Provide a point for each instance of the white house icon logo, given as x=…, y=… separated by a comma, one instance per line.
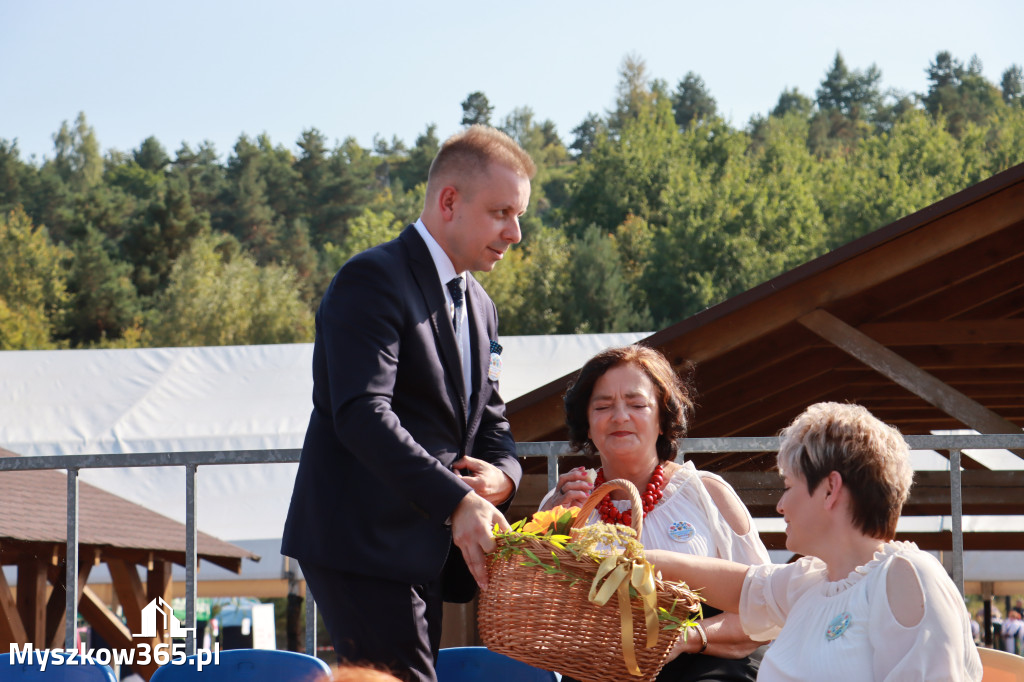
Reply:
x=159, y=608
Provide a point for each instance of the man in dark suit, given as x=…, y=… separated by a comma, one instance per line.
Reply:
x=408, y=450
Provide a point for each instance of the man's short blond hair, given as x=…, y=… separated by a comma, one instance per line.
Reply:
x=871, y=456
x=469, y=153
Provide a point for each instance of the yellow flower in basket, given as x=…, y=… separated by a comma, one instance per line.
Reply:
x=555, y=520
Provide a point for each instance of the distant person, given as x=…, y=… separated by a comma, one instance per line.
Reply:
x=858, y=605
x=1013, y=632
x=408, y=449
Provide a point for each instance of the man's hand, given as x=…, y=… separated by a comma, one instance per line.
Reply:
x=486, y=480
x=472, y=522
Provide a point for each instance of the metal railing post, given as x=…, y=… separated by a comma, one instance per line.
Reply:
x=71, y=561
x=310, y=622
x=956, y=503
x=190, y=558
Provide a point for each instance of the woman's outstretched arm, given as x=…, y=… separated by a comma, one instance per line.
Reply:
x=719, y=581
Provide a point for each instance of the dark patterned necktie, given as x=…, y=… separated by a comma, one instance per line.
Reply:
x=455, y=289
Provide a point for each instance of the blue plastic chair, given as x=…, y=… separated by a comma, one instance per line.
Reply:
x=248, y=665
x=79, y=671
x=475, y=663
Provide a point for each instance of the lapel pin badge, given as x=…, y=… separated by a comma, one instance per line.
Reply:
x=494, y=368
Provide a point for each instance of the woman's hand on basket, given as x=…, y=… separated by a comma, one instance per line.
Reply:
x=573, y=489
x=725, y=637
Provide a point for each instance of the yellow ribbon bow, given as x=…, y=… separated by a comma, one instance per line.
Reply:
x=618, y=572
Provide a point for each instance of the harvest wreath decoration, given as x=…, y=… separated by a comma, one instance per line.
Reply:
x=550, y=604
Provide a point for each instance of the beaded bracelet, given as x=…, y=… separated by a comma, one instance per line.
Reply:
x=703, y=637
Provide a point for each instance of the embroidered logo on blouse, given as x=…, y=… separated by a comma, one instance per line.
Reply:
x=838, y=626
x=681, y=531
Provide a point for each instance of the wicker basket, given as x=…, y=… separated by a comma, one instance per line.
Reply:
x=548, y=622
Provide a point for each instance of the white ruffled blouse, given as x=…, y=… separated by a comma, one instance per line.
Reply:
x=845, y=630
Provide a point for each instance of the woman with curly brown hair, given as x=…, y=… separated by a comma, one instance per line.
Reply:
x=628, y=407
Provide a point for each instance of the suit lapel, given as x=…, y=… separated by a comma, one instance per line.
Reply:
x=425, y=274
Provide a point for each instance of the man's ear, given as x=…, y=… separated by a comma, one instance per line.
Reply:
x=446, y=200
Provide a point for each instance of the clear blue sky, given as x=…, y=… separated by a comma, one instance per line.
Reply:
x=194, y=70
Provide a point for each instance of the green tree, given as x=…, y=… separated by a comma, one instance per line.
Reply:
x=414, y=169
x=891, y=176
x=365, y=231
x=476, y=109
x=77, y=157
x=601, y=297
x=636, y=93
x=159, y=231
x=1012, y=85
x=793, y=101
x=692, y=102
x=151, y=155
x=33, y=294
x=626, y=174
x=854, y=94
x=585, y=135
x=251, y=218
x=960, y=94
x=530, y=286
x=216, y=297
x=12, y=173
x=104, y=302
x=204, y=176
x=348, y=188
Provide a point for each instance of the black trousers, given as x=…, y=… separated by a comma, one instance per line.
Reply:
x=381, y=623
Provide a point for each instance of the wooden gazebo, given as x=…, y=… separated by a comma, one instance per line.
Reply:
x=112, y=530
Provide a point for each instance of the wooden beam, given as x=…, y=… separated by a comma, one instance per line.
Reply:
x=981, y=287
x=129, y=591
x=11, y=629
x=32, y=598
x=158, y=585
x=911, y=377
x=945, y=332
x=895, y=294
x=56, y=607
x=110, y=627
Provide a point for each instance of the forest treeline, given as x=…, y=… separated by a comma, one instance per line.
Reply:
x=640, y=216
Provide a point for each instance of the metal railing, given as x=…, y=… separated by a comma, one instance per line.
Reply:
x=552, y=451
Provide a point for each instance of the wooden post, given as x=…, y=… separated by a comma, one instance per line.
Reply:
x=32, y=598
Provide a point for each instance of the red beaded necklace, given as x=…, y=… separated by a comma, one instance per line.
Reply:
x=651, y=496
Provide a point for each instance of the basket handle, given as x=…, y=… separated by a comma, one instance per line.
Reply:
x=595, y=498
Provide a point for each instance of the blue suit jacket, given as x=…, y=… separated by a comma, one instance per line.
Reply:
x=375, y=486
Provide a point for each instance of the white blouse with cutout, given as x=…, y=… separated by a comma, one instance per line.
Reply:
x=845, y=630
